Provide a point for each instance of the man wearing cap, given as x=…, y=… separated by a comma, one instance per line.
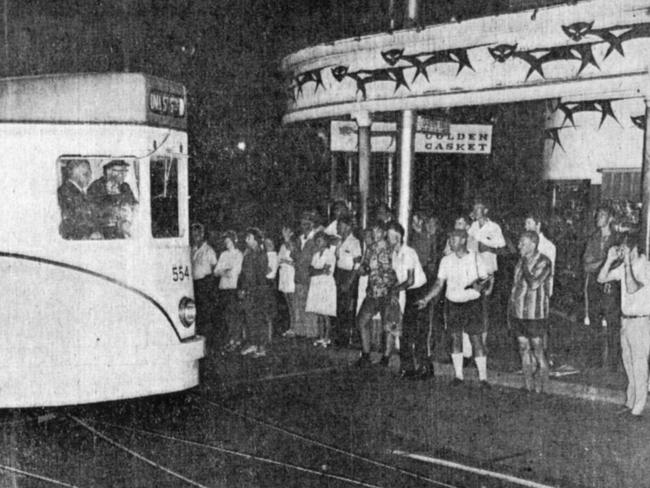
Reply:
x=109, y=194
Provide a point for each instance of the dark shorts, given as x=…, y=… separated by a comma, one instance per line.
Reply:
x=530, y=328
x=372, y=306
x=465, y=317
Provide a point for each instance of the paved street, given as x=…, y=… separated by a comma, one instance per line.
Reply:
x=263, y=407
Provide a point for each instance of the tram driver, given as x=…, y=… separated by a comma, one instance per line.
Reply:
x=77, y=220
x=113, y=200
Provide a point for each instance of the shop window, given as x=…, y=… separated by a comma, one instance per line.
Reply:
x=621, y=184
x=621, y=190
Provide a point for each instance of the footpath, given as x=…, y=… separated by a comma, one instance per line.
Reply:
x=576, y=352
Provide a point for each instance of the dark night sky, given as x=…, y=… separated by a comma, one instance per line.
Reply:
x=227, y=53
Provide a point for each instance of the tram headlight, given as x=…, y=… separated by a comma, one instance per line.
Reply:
x=187, y=311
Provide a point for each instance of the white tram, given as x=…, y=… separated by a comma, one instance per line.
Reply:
x=94, y=256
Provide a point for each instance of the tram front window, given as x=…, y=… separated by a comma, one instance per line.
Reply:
x=98, y=197
x=164, y=197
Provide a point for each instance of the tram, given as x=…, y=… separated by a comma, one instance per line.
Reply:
x=97, y=299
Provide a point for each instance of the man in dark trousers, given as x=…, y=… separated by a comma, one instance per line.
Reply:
x=306, y=322
x=348, y=257
x=418, y=337
x=602, y=300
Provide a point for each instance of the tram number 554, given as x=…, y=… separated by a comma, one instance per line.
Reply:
x=180, y=273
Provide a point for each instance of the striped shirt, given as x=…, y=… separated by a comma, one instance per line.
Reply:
x=531, y=287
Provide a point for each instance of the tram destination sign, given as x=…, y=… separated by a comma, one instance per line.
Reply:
x=462, y=138
x=167, y=104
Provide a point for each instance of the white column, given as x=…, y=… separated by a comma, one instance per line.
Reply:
x=406, y=148
x=334, y=163
x=363, y=120
x=390, y=177
x=406, y=153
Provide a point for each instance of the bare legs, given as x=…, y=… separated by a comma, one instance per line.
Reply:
x=533, y=360
x=478, y=351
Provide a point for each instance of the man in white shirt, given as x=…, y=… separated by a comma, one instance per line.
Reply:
x=348, y=257
x=227, y=270
x=414, y=350
x=465, y=274
x=634, y=275
x=204, y=259
x=485, y=238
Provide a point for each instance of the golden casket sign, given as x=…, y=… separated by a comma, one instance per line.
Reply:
x=462, y=138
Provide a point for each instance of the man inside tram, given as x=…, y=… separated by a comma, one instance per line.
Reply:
x=76, y=208
x=110, y=196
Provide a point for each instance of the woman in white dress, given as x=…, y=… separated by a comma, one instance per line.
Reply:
x=321, y=298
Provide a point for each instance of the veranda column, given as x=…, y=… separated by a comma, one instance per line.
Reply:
x=334, y=177
x=406, y=154
x=390, y=177
x=645, y=183
x=363, y=120
x=406, y=148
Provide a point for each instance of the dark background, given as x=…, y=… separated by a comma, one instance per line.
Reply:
x=227, y=53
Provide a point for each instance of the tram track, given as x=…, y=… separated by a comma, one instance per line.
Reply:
x=336, y=466
x=237, y=442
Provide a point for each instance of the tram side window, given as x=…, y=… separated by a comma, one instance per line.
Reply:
x=98, y=197
x=164, y=197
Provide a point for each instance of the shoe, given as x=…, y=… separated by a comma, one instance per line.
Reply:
x=408, y=374
x=485, y=385
x=622, y=411
x=456, y=382
x=326, y=343
x=288, y=333
x=362, y=362
x=259, y=354
x=426, y=372
x=249, y=350
x=319, y=342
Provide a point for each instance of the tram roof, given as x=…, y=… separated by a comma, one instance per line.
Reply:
x=96, y=98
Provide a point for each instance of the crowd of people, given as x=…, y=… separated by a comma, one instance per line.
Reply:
x=339, y=287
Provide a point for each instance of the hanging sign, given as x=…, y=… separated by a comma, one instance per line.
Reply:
x=432, y=125
x=461, y=139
